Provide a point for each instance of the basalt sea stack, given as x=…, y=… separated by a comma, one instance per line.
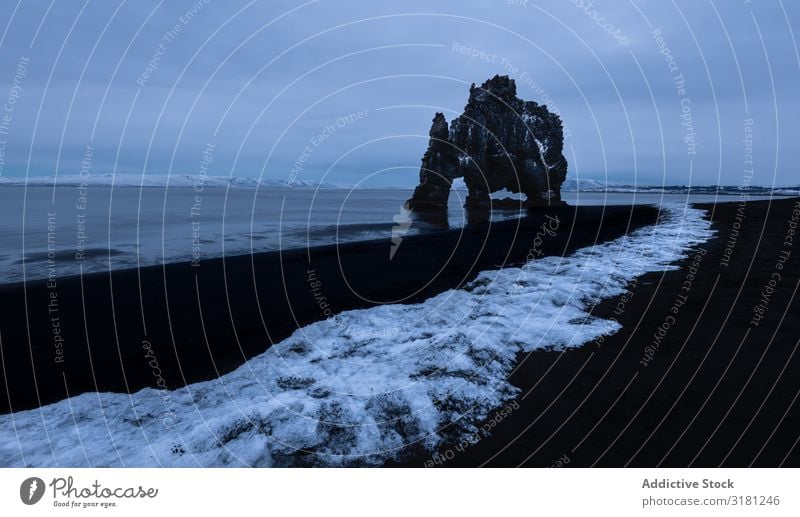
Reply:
x=499, y=142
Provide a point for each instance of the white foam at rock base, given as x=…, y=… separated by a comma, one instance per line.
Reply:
x=362, y=387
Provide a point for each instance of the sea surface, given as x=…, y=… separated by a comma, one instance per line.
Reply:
x=68, y=230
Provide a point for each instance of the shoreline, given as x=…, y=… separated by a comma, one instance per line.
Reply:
x=171, y=325
x=713, y=385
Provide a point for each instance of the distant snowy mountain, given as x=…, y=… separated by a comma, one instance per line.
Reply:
x=751, y=190
x=158, y=180
x=584, y=185
x=587, y=185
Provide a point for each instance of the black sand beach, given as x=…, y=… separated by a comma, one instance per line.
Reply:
x=717, y=386
x=177, y=324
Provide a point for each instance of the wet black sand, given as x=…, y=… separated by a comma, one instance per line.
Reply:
x=179, y=324
x=717, y=391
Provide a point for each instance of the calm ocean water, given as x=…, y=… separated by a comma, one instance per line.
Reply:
x=64, y=230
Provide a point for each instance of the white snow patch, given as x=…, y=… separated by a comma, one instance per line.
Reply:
x=530, y=120
x=363, y=386
x=543, y=148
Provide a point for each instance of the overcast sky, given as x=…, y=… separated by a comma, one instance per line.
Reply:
x=345, y=90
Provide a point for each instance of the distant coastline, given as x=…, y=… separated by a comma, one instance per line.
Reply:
x=134, y=180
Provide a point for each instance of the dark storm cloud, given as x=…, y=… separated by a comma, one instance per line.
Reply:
x=650, y=92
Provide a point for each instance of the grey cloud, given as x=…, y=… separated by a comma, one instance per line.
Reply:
x=293, y=75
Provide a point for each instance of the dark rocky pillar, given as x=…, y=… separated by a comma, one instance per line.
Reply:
x=478, y=199
x=438, y=167
x=499, y=142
